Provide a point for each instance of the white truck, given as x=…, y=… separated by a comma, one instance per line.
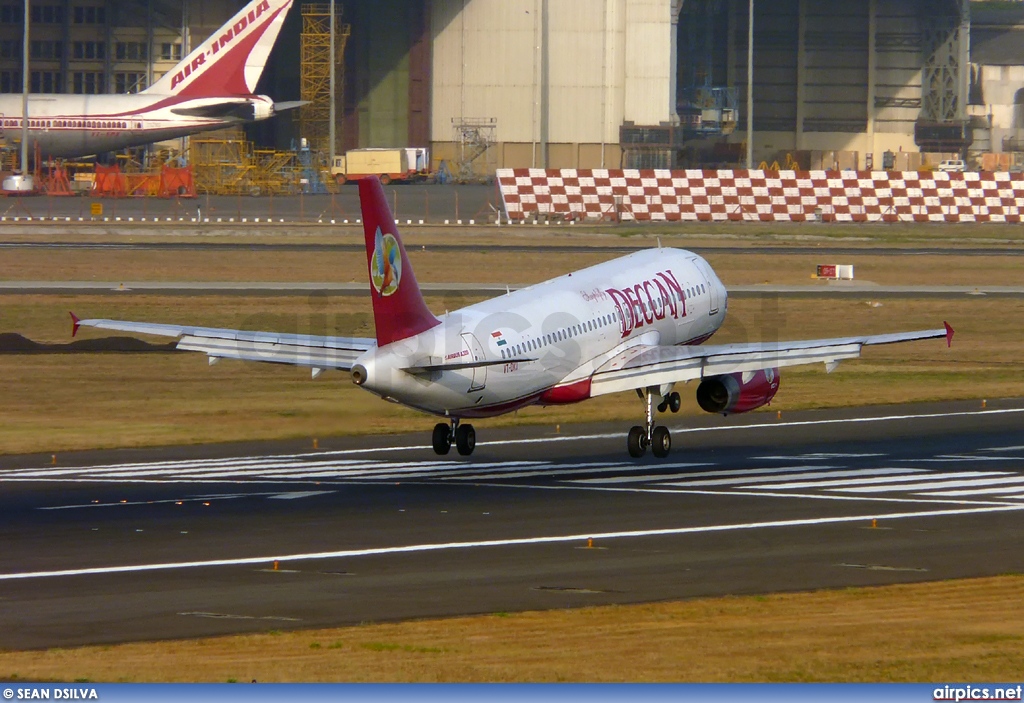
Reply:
x=404, y=164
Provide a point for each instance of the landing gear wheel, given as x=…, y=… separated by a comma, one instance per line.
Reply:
x=442, y=439
x=465, y=439
x=661, y=442
x=674, y=402
x=636, y=441
x=663, y=405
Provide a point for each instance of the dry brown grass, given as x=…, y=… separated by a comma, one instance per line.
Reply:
x=486, y=266
x=970, y=630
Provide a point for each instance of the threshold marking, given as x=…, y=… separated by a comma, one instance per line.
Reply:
x=452, y=546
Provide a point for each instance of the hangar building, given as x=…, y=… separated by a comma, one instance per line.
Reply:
x=579, y=83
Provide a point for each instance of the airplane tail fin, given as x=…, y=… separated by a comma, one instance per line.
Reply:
x=399, y=310
x=231, y=61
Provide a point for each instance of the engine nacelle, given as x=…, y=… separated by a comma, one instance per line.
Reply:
x=738, y=392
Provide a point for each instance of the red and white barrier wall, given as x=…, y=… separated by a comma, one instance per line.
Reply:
x=767, y=196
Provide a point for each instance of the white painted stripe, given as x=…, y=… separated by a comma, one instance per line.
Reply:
x=326, y=468
x=747, y=481
x=614, y=435
x=928, y=476
x=449, y=546
x=940, y=485
x=692, y=474
x=998, y=490
x=190, y=499
x=556, y=470
x=811, y=457
x=958, y=459
x=1003, y=449
x=294, y=495
x=755, y=483
x=661, y=489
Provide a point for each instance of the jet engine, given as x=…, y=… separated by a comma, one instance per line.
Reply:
x=738, y=392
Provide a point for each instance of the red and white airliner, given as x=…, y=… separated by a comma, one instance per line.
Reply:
x=210, y=89
x=633, y=323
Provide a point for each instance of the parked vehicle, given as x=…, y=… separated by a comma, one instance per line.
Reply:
x=952, y=165
x=390, y=165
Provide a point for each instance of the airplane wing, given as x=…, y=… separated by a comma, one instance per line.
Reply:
x=645, y=366
x=313, y=351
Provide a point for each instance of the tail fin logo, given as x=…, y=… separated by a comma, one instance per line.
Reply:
x=386, y=264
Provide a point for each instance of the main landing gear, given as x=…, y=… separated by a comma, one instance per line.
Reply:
x=657, y=438
x=464, y=437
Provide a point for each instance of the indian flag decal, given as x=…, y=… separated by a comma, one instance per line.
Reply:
x=497, y=336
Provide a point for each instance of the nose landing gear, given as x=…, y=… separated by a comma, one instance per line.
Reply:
x=464, y=437
x=657, y=438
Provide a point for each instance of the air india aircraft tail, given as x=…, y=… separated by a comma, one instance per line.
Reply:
x=231, y=61
x=399, y=310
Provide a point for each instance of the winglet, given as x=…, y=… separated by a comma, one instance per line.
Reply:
x=74, y=323
x=949, y=334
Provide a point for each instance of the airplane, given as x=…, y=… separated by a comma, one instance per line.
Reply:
x=635, y=323
x=210, y=89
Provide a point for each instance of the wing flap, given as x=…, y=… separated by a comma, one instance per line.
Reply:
x=296, y=349
x=314, y=357
x=647, y=366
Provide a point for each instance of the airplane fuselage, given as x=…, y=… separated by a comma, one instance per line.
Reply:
x=78, y=125
x=543, y=343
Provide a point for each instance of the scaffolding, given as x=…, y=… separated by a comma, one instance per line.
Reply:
x=475, y=137
x=222, y=162
x=225, y=163
x=315, y=57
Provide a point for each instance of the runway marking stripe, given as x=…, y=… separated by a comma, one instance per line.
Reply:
x=560, y=438
x=448, y=546
x=928, y=476
x=743, y=480
x=939, y=485
x=1010, y=492
x=810, y=457
x=555, y=470
x=664, y=489
x=693, y=474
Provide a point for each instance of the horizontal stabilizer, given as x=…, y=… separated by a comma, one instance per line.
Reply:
x=242, y=111
x=290, y=105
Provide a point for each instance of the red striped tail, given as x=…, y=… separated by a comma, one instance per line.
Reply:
x=399, y=310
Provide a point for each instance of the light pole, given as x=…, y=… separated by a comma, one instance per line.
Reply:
x=331, y=112
x=22, y=183
x=750, y=88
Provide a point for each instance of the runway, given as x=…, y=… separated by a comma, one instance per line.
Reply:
x=181, y=542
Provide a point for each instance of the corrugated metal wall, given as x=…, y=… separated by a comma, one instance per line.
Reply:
x=605, y=61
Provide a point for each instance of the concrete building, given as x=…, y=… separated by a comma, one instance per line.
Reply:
x=997, y=81
x=568, y=83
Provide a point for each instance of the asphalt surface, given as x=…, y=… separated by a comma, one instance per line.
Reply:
x=433, y=203
x=113, y=546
